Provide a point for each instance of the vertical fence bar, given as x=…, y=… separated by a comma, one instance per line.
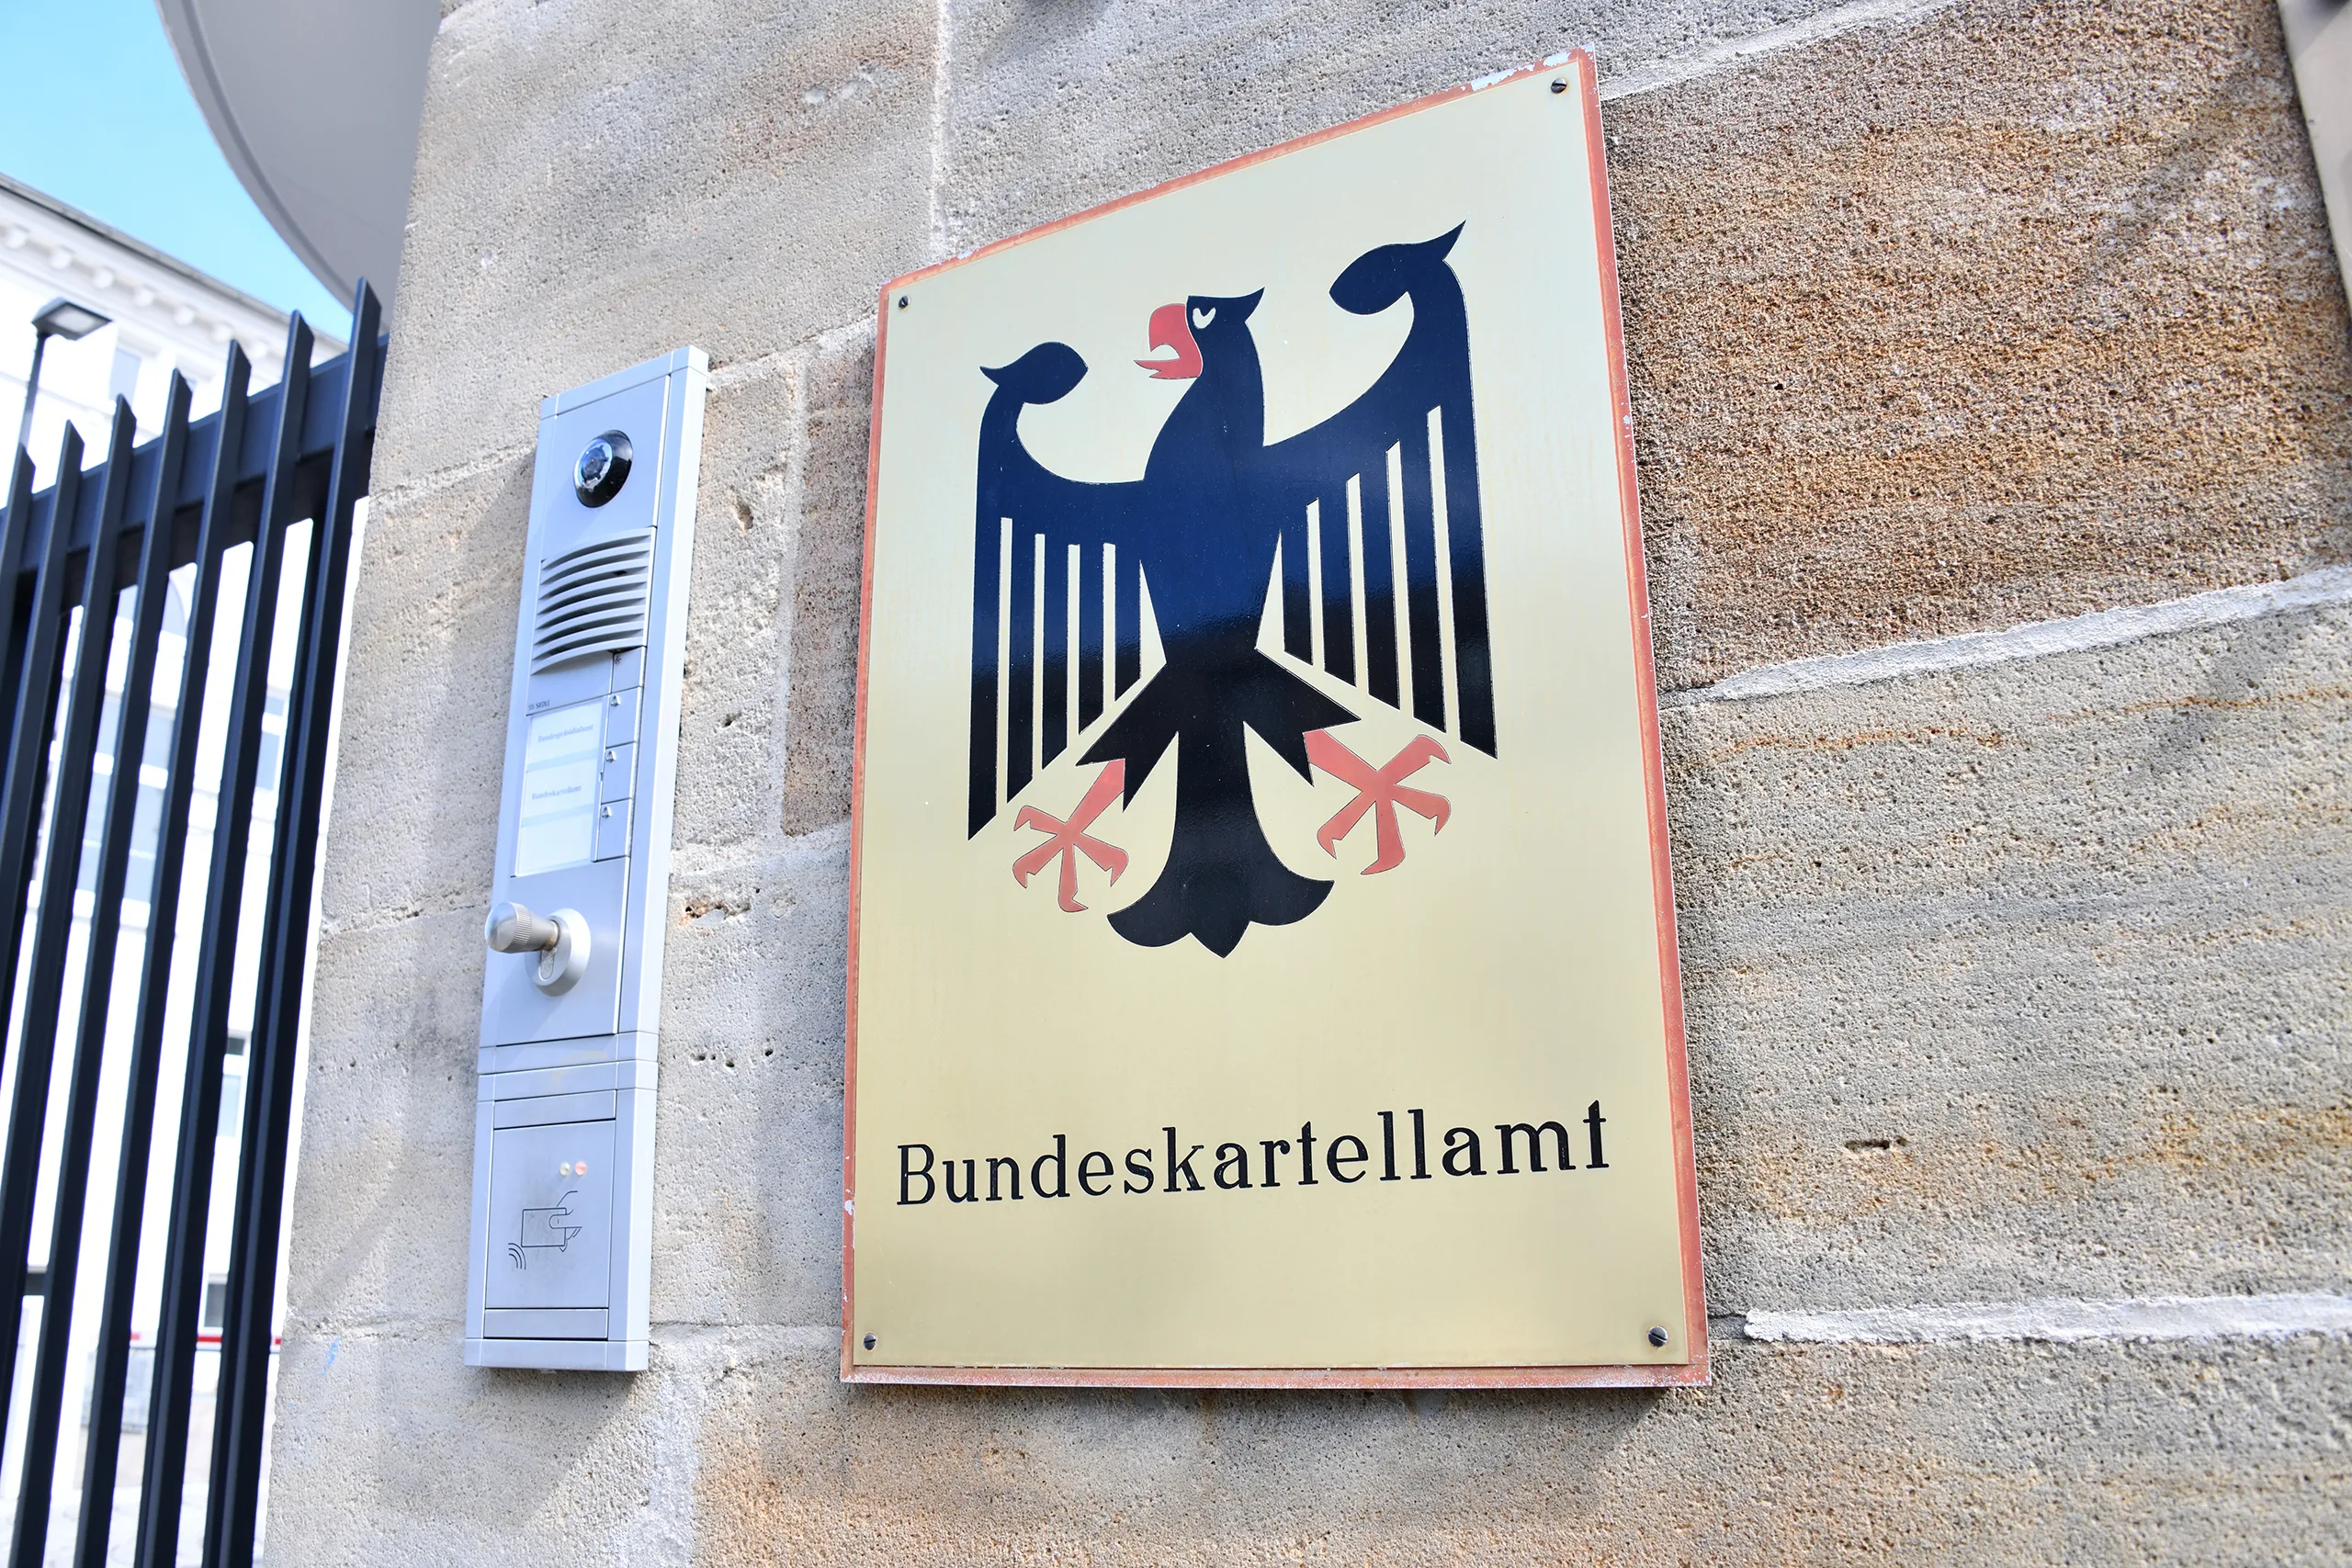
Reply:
x=20, y=797
x=111, y=1366
x=155, y=975
x=45, y=993
x=13, y=534
x=180, y=1320
x=241, y=1407
x=110, y=1374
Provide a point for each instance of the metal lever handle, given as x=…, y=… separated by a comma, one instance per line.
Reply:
x=512, y=928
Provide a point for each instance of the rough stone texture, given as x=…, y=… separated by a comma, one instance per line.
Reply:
x=742, y=1447
x=2029, y=981
x=748, y=1203
x=433, y=623
x=2026, y=981
x=388, y=1125
x=598, y=183
x=1057, y=105
x=731, y=710
x=2017, y=312
x=830, y=561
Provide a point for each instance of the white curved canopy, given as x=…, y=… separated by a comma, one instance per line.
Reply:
x=315, y=103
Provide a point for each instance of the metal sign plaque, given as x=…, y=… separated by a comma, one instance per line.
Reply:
x=1262, y=965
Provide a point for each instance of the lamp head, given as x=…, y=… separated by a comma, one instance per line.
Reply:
x=63, y=317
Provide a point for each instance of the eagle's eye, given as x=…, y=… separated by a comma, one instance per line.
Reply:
x=1201, y=319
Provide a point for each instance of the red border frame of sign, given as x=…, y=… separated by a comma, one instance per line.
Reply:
x=1578, y=63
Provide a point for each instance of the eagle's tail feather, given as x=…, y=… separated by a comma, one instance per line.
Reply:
x=1217, y=893
x=1221, y=877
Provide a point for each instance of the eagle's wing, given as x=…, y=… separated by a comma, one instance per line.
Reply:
x=1420, y=408
x=1028, y=524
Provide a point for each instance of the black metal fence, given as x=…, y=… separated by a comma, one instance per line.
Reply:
x=170, y=634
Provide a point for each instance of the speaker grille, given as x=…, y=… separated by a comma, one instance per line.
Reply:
x=593, y=600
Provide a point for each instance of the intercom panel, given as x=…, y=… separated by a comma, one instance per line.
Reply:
x=572, y=992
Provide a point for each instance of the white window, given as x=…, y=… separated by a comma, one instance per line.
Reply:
x=124, y=382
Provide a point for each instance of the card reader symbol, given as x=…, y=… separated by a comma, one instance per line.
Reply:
x=544, y=1228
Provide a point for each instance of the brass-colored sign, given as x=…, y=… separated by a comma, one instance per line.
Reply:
x=1262, y=963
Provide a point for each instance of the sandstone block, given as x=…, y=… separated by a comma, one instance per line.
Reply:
x=596, y=186
x=2024, y=981
x=383, y=1191
x=748, y=1150
x=2017, y=311
x=414, y=822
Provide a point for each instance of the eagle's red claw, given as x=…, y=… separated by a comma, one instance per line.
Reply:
x=1380, y=791
x=1069, y=838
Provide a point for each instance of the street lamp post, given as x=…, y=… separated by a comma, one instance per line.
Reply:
x=59, y=318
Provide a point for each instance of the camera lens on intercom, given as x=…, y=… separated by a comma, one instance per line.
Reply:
x=602, y=469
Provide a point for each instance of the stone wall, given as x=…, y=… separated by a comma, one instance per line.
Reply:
x=2018, y=969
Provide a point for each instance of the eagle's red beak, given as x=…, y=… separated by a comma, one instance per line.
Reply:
x=1169, y=332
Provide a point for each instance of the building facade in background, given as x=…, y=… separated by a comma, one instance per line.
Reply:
x=166, y=316
x=1992, y=391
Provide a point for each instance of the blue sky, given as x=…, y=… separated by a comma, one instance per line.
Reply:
x=96, y=114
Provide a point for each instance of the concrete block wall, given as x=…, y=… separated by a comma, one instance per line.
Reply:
x=1993, y=389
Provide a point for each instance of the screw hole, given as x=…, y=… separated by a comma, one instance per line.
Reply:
x=902, y=302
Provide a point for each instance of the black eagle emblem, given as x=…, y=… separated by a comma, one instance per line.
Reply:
x=1200, y=534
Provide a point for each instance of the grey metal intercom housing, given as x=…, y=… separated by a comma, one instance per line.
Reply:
x=571, y=995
